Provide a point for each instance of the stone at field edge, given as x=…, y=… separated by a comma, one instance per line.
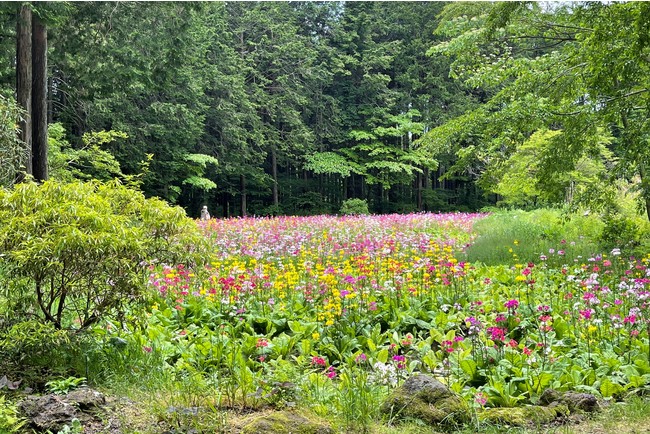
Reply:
x=425, y=398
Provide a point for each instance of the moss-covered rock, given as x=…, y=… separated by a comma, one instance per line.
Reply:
x=285, y=422
x=575, y=401
x=427, y=399
x=523, y=416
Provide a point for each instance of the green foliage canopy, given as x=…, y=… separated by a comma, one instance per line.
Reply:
x=564, y=68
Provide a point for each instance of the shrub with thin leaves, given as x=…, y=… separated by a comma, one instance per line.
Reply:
x=83, y=248
x=13, y=152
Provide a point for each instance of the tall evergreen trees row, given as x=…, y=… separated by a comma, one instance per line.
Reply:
x=256, y=108
x=293, y=107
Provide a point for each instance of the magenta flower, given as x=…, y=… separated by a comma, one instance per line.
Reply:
x=630, y=319
x=497, y=334
x=400, y=360
x=586, y=314
x=331, y=373
x=511, y=304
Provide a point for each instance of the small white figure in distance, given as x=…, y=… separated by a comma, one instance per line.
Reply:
x=205, y=215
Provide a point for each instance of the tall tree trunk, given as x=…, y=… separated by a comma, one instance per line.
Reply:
x=274, y=174
x=418, y=183
x=24, y=79
x=39, y=99
x=645, y=192
x=242, y=181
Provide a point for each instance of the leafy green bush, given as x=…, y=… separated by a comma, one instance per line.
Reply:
x=32, y=344
x=61, y=386
x=619, y=231
x=354, y=207
x=83, y=247
x=10, y=421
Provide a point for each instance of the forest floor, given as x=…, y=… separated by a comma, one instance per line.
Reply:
x=125, y=416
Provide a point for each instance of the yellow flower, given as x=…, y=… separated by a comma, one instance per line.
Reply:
x=315, y=336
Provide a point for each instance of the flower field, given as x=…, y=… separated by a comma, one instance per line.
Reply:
x=331, y=313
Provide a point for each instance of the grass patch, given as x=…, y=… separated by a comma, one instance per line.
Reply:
x=530, y=235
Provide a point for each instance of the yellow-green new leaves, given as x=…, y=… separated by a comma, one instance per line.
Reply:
x=81, y=249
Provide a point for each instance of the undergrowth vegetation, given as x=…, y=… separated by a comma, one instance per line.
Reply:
x=323, y=314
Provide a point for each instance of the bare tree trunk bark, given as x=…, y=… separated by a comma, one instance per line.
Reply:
x=419, y=186
x=242, y=181
x=644, y=190
x=274, y=174
x=39, y=99
x=24, y=79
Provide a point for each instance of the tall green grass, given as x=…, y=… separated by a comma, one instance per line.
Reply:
x=531, y=234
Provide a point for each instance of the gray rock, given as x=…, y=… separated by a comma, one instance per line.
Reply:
x=425, y=398
x=580, y=401
x=86, y=399
x=53, y=412
x=575, y=401
x=49, y=412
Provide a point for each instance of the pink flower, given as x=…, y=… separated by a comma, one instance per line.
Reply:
x=147, y=349
x=361, y=358
x=261, y=343
x=401, y=361
x=586, y=314
x=331, y=373
x=511, y=304
x=631, y=319
x=318, y=361
x=496, y=333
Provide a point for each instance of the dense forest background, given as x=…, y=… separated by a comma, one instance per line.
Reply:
x=272, y=108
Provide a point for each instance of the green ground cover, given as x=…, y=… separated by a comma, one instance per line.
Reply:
x=329, y=314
